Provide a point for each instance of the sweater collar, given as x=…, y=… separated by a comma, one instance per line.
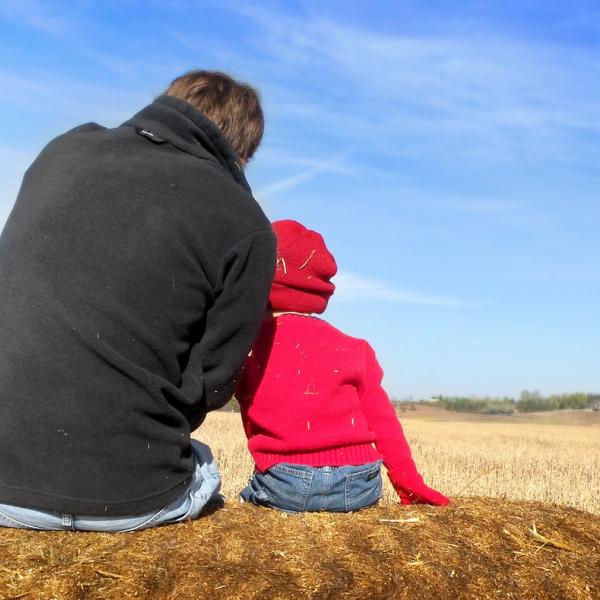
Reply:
x=178, y=122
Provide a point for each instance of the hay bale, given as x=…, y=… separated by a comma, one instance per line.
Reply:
x=476, y=548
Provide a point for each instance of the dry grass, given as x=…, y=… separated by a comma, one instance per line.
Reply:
x=503, y=458
x=476, y=549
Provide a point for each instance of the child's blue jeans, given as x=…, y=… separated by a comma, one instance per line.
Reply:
x=300, y=488
x=203, y=489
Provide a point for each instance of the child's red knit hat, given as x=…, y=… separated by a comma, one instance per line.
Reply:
x=304, y=269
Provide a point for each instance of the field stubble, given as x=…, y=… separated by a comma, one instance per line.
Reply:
x=477, y=457
x=483, y=548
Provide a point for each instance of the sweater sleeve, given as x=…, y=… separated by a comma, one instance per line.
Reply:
x=390, y=439
x=232, y=323
x=383, y=421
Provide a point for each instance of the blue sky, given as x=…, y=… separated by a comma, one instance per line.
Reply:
x=448, y=152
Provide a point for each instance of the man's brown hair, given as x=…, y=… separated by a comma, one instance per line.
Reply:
x=233, y=106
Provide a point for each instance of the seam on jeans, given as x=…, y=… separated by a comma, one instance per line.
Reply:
x=346, y=502
x=143, y=525
x=350, y=479
x=298, y=499
x=17, y=522
x=295, y=497
x=257, y=493
x=327, y=480
x=371, y=469
x=355, y=503
x=291, y=471
x=262, y=495
x=351, y=502
x=187, y=513
x=308, y=487
x=366, y=493
x=148, y=523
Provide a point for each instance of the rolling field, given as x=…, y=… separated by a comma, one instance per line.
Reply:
x=547, y=457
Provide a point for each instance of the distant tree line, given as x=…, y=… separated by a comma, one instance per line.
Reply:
x=527, y=402
x=488, y=405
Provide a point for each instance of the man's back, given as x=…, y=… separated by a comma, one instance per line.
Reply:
x=121, y=282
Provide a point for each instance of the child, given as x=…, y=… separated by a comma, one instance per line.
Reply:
x=318, y=423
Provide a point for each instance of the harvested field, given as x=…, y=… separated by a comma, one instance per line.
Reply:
x=534, y=458
x=502, y=546
x=476, y=548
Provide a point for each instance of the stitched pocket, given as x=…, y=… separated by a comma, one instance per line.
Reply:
x=363, y=488
x=287, y=488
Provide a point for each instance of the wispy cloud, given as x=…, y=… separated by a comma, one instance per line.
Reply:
x=38, y=15
x=79, y=99
x=278, y=155
x=483, y=97
x=287, y=183
x=440, y=201
x=351, y=287
x=482, y=206
x=313, y=169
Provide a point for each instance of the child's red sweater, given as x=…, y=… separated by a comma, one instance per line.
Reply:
x=311, y=395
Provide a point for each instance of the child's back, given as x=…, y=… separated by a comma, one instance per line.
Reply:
x=318, y=422
x=305, y=383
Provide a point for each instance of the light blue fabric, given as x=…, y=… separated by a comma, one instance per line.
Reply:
x=301, y=488
x=203, y=489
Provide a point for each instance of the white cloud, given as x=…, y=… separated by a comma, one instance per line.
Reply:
x=287, y=183
x=351, y=287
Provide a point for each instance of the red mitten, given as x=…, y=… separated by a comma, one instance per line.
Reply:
x=412, y=490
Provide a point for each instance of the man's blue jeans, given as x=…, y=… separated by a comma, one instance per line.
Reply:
x=203, y=489
x=300, y=488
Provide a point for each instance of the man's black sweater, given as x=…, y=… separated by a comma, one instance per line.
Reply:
x=134, y=273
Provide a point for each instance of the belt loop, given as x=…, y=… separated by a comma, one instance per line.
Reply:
x=67, y=521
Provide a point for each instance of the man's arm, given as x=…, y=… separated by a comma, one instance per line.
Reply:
x=232, y=323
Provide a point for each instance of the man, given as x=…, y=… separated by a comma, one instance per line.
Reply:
x=134, y=273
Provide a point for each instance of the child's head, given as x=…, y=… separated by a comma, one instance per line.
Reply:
x=303, y=272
